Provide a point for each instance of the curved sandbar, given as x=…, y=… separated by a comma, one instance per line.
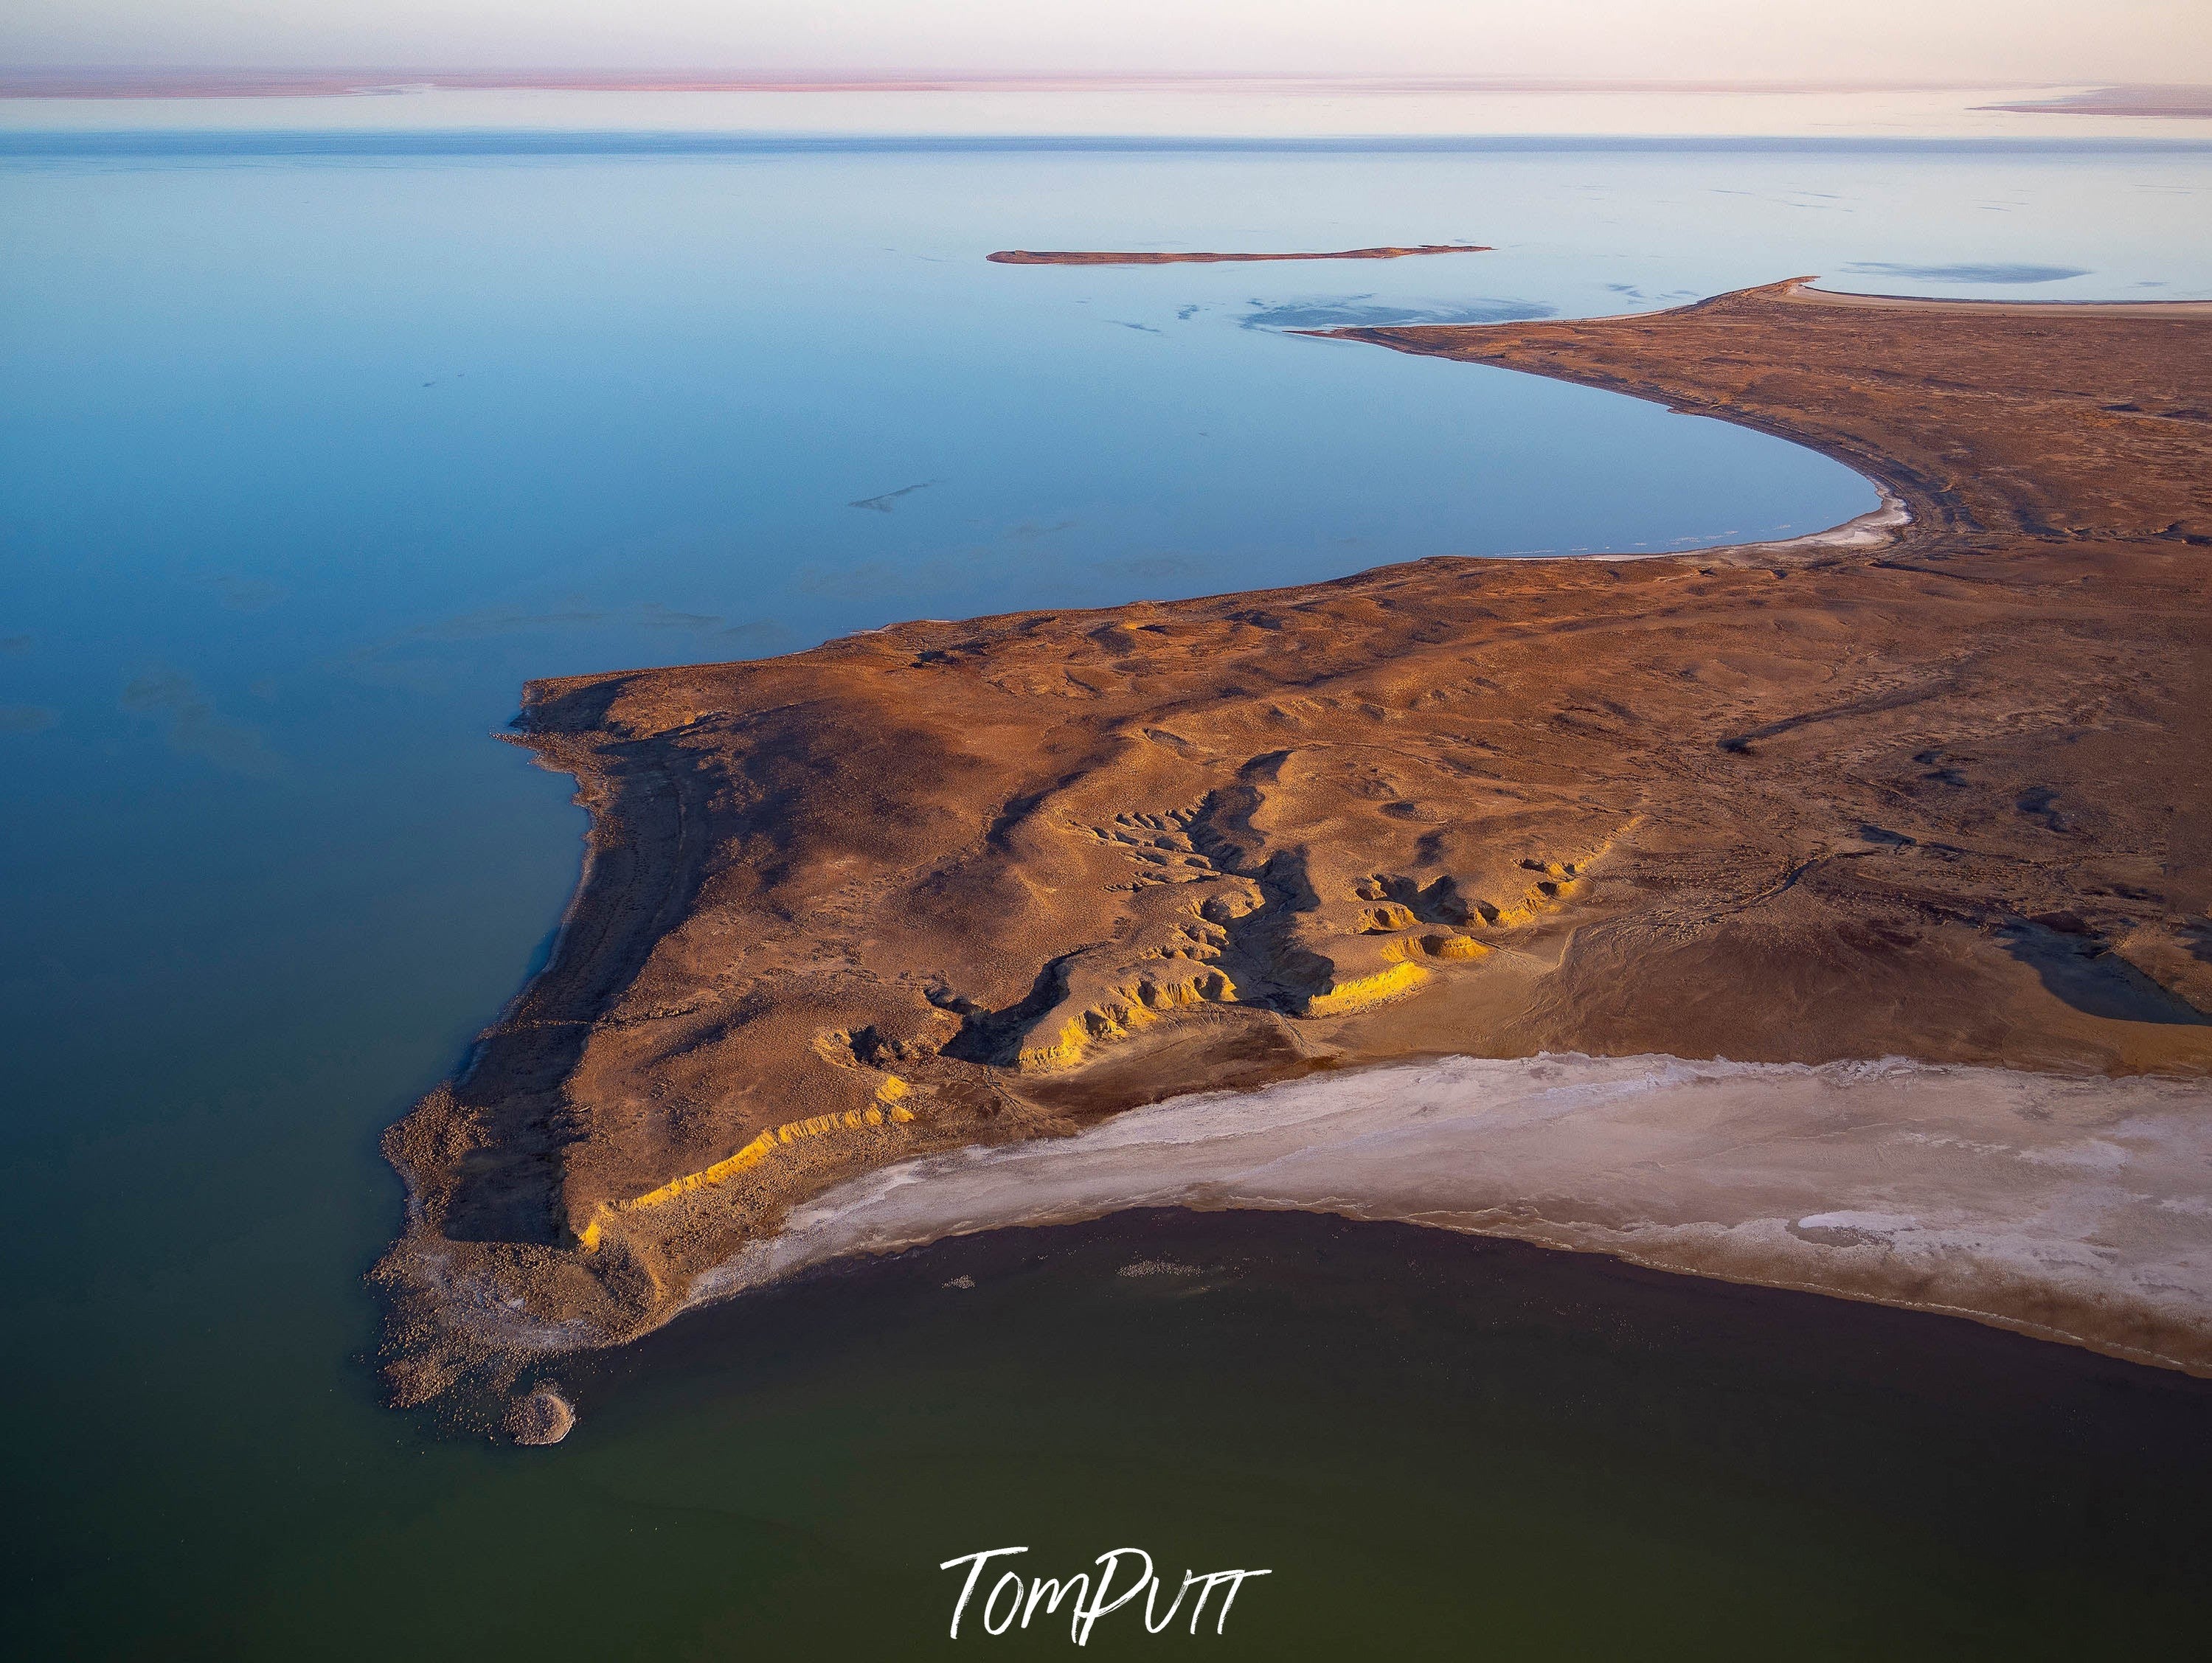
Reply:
x=1082, y=256
x=949, y=884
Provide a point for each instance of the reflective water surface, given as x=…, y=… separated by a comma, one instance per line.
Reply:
x=308, y=461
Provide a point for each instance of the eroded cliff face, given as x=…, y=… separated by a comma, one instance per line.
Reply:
x=1944, y=798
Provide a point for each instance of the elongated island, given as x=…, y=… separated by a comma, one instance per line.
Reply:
x=1101, y=257
x=1933, y=787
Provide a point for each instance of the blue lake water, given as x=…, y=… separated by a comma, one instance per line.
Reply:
x=309, y=459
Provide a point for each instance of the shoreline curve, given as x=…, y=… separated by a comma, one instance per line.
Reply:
x=951, y=884
x=2067, y=1208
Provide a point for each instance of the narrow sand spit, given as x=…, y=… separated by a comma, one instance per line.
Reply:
x=2074, y=1209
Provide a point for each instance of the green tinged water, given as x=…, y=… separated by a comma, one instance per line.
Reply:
x=308, y=461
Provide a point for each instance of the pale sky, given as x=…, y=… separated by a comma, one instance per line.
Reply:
x=1960, y=40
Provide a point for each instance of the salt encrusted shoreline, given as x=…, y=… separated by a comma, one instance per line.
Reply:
x=2074, y=1209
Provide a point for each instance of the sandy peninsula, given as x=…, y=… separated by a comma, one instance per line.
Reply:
x=1081, y=256
x=1932, y=790
x=2184, y=103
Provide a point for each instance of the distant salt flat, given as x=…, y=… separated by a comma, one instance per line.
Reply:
x=2078, y=1209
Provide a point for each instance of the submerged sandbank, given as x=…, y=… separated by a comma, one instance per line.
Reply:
x=2071, y=1208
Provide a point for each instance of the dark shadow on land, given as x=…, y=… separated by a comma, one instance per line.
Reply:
x=2084, y=971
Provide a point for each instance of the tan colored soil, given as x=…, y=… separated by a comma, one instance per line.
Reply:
x=1943, y=797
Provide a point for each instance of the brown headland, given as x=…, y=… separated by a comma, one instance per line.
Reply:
x=1093, y=256
x=1937, y=789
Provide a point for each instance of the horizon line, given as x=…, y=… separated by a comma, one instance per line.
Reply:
x=89, y=81
x=339, y=143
